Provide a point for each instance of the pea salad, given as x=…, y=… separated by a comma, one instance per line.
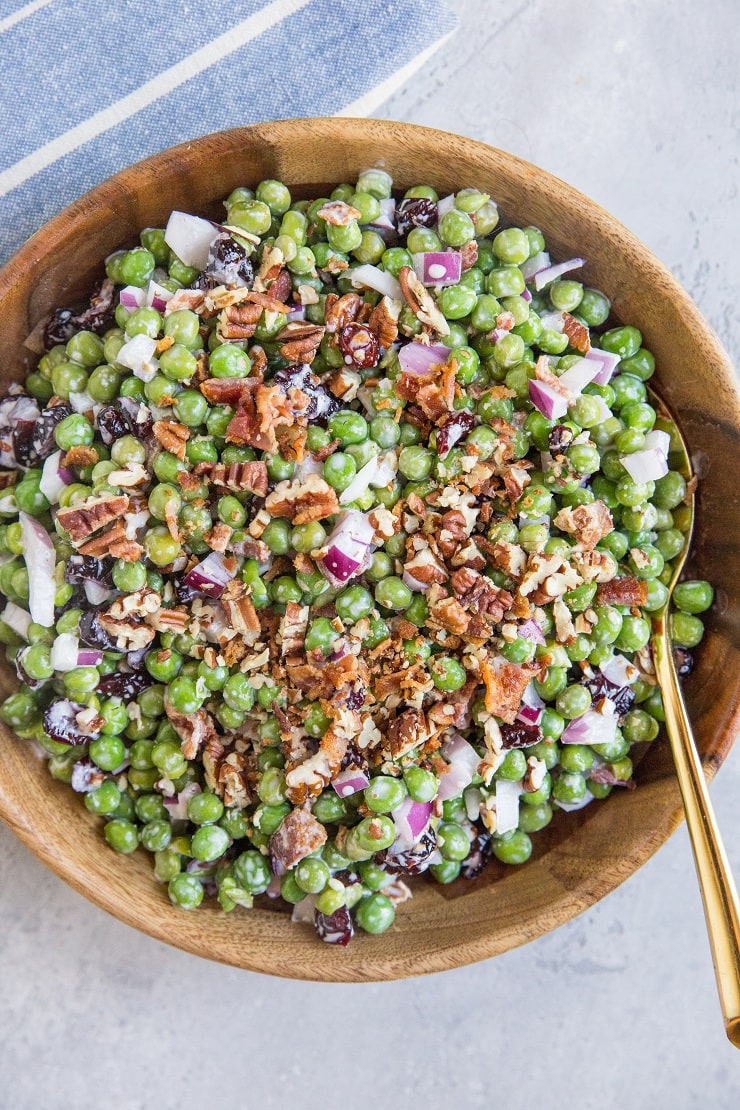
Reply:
x=330, y=540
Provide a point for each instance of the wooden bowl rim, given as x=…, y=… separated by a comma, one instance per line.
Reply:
x=174, y=927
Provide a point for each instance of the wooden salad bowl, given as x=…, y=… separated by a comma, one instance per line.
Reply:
x=581, y=856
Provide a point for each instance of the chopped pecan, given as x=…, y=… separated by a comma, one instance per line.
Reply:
x=405, y=733
x=322, y=454
x=270, y=268
x=218, y=537
x=453, y=533
x=307, y=295
x=302, y=500
x=238, y=321
x=468, y=255
x=194, y=729
x=293, y=626
x=565, y=632
x=385, y=523
x=578, y=334
x=89, y=516
x=298, y=835
x=515, y=479
x=624, y=590
x=340, y=311
x=233, y=780
x=338, y=213
x=250, y=476
x=383, y=322
x=191, y=299
x=595, y=566
x=267, y=302
x=240, y=611
x=299, y=342
x=421, y=302
x=480, y=595
x=308, y=778
x=172, y=436
x=449, y=614
x=80, y=456
x=589, y=523
x=510, y=558
x=169, y=620
x=113, y=541
x=128, y=632
x=426, y=568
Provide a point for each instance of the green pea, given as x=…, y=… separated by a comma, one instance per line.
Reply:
x=693, y=597
x=514, y=848
x=375, y=914
x=384, y=794
x=185, y=891
x=392, y=593
x=686, y=630
x=122, y=835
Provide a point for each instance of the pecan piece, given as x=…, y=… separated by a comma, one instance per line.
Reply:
x=505, y=684
x=239, y=321
x=449, y=614
x=340, y=311
x=172, y=436
x=421, y=302
x=297, y=836
x=89, y=516
x=578, y=334
x=303, y=501
x=218, y=537
x=338, y=213
x=299, y=342
x=406, y=732
x=383, y=322
x=240, y=611
x=194, y=729
x=589, y=523
x=113, y=541
x=281, y=286
x=80, y=456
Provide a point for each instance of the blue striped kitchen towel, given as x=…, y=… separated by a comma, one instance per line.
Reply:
x=88, y=87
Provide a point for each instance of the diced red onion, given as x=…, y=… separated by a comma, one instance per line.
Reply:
x=530, y=630
x=472, y=798
x=138, y=355
x=416, y=358
x=526, y=295
x=659, y=440
x=374, y=278
x=378, y=472
x=552, y=273
x=157, y=296
x=607, y=361
x=445, y=205
x=95, y=593
x=463, y=763
x=87, y=657
x=304, y=911
x=54, y=477
x=619, y=670
x=131, y=297
x=190, y=238
x=65, y=652
x=531, y=697
x=604, y=410
x=645, y=466
x=553, y=321
x=210, y=576
x=16, y=618
x=578, y=376
x=38, y=552
x=590, y=728
x=177, y=805
x=350, y=781
x=296, y=312
x=507, y=805
x=529, y=715
x=438, y=267
x=273, y=889
x=412, y=821
x=386, y=221
x=571, y=807
x=535, y=264
x=549, y=402
x=348, y=548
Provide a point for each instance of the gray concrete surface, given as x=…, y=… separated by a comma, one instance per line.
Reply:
x=637, y=105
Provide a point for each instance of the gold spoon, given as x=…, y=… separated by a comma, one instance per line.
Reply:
x=719, y=894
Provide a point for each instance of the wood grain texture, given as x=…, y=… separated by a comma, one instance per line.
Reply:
x=582, y=856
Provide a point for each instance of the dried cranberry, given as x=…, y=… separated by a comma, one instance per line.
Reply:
x=335, y=928
x=60, y=722
x=60, y=328
x=519, y=735
x=414, y=860
x=120, y=685
x=559, y=438
x=600, y=687
x=85, y=568
x=415, y=212
x=93, y=634
x=684, y=661
x=321, y=404
x=355, y=699
x=478, y=856
x=86, y=776
x=113, y=424
x=98, y=316
x=228, y=263
x=454, y=429
x=359, y=346
x=353, y=758
x=43, y=442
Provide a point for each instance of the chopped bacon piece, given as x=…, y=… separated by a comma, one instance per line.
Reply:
x=578, y=334
x=505, y=684
x=622, y=591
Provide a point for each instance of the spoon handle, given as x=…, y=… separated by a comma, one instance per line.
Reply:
x=717, y=885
